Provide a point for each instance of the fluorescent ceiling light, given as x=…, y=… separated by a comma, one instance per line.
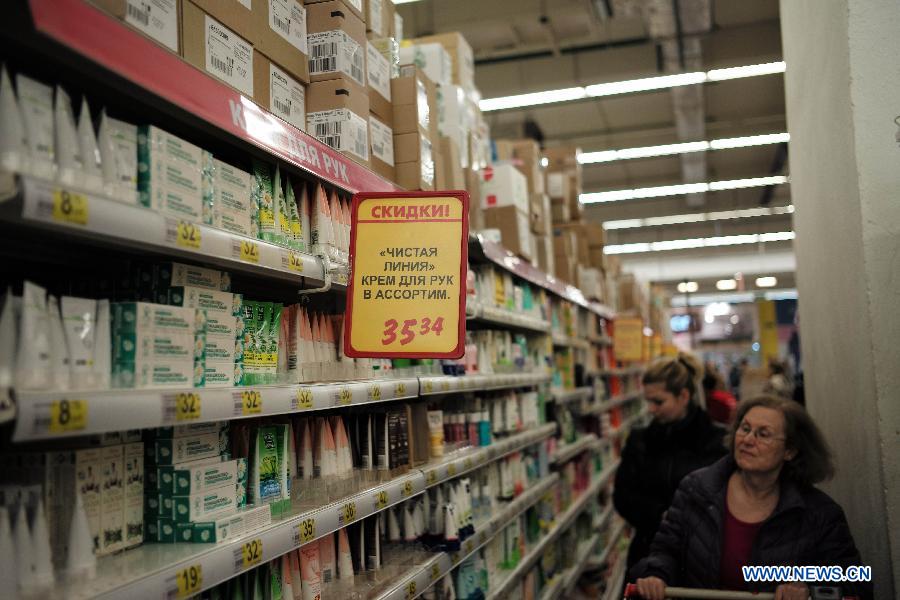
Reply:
x=626, y=87
x=679, y=189
x=602, y=156
x=679, y=301
x=688, y=287
x=766, y=282
x=711, y=242
x=726, y=285
x=781, y=295
x=698, y=217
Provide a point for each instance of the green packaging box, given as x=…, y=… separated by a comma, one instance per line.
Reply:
x=181, y=450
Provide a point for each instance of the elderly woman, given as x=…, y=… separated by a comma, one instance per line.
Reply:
x=756, y=506
x=680, y=439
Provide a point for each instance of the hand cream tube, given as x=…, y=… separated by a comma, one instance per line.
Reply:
x=36, y=102
x=90, y=152
x=296, y=577
x=102, y=347
x=33, y=360
x=8, y=342
x=327, y=558
x=70, y=165
x=60, y=373
x=78, y=316
x=13, y=142
x=345, y=557
x=310, y=571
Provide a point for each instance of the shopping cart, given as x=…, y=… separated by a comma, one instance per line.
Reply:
x=681, y=592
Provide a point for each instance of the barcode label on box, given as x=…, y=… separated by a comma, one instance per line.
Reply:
x=335, y=51
x=157, y=19
x=287, y=18
x=376, y=18
x=288, y=98
x=229, y=57
x=341, y=129
x=382, y=141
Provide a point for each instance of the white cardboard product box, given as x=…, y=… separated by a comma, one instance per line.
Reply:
x=558, y=185
x=504, y=185
x=432, y=59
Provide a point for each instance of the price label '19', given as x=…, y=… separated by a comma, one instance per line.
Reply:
x=68, y=415
x=189, y=580
x=69, y=207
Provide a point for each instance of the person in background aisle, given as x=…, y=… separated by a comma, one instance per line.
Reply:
x=680, y=439
x=720, y=404
x=755, y=506
x=778, y=383
x=734, y=377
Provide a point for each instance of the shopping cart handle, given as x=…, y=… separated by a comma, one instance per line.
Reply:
x=631, y=591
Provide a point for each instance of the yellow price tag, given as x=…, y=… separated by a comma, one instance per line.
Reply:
x=435, y=572
x=432, y=477
x=249, y=252
x=295, y=262
x=188, y=235
x=251, y=402
x=400, y=389
x=410, y=590
x=189, y=580
x=307, y=530
x=68, y=415
x=349, y=512
x=467, y=464
x=187, y=406
x=252, y=552
x=428, y=386
x=445, y=386
x=345, y=396
x=304, y=398
x=381, y=500
x=375, y=392
x=407, y=489
x=69, y=207
x=451, y=470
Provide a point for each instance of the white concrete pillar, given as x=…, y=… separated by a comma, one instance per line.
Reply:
x=843, y=93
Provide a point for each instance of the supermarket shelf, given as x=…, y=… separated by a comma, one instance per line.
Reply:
x=446, y=384
x=420, y=578
x=119, y=410
x=569, y=342
x=584, y=551
x=34, y=202
x=627, y=424
x=613, y=540
x=617, y=579
x=151, y=74
x=621, y=371
x=568, y=451
x=468, y=460
x=144, y=571
x=564, y=396
x=600, y=340
x=606, y=475
x=508, y=318
x=613, y=403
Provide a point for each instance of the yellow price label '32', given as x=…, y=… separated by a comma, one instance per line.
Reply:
x=429, y=386
x=251, y=402
x=345, y=396
x=68, y=415
x=349, y=512
x=252, y=552
x=249, y=252
x=304, y=398
x=69, y=207
x=187, y=406
x=375, y=392
x=400, y=389
x=407, y=489
x=445, y=386
x=307, y=530
x=381, y=500
x=432, y=477
x=451, y=469
x=188, y=235
x=189, y=580
x=435, y=571
x=295, y=262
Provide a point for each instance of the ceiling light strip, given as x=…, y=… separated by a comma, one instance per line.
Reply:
x=604, y=156
x=691, y=243
x=630, y=86
x=698, y=217
x=679, y=189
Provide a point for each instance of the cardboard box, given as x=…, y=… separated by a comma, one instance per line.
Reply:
x=541, y=217
x=526, y=156
x=276, y=90
x=216, y=49
x=432, y=58
x=381, y=142
x=396, y=25
x=578, y=235
x=416, y=175
x=378, y=84
x=590, y=282
x=336, y=37
x=440, y=168
x=379, y=13
x=453, y=172
x=411, y=147
x=279, y=32
x=514, y=229
x=462, y=59
x=560, y=212
x=628, y=294
x=337, y=113
x=473, y=186
x=161, y=24
x=410, y=96
x=545, y=257
x=561, y=158
x=453, y=121
x=597, y=257
x=357, y=7
x=564, y=268
x=237, y=16
x=504, y=185
x=595, y=234
x=558, y=186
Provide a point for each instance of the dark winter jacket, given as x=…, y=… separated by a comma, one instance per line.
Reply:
x=654, y=461
x=806, y=528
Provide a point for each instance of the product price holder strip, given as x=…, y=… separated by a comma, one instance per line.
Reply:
x=151, y=567
x=39, y=413
x=562, y=396
x=157, y=74
x=445, y=384
x=569, y=342
x=568, y=451
x=97, y=219
x=414, y=584
x=614, y=402
x=584, y=551
x=612, y=592
x=500, y=316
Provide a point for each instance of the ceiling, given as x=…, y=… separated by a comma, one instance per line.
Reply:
x=525, y=46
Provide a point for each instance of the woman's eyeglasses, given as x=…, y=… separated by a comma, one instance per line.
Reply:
x=763, y=435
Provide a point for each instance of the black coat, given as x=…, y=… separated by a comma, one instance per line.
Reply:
x=654, y=461
x=806, y=528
